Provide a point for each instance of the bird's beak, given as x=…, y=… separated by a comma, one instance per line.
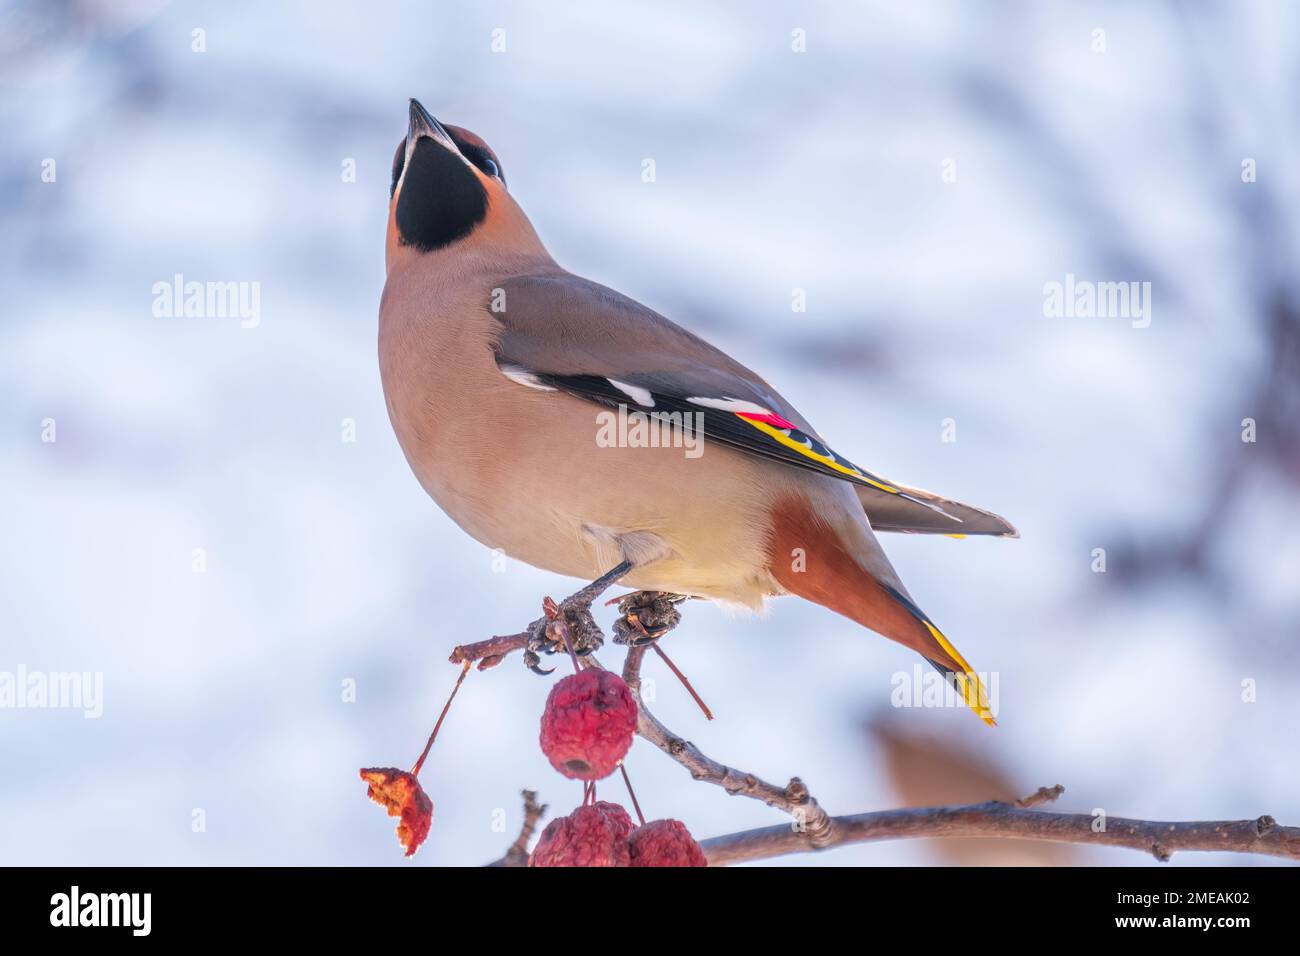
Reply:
x=422, y=123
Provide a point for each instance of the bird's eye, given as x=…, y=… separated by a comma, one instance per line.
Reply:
x=483, y=160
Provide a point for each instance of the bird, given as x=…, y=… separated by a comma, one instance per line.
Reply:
x=501, y=371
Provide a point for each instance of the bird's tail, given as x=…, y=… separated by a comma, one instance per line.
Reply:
x=827, y=570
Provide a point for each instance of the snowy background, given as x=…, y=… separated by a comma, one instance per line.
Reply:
x=776, y=170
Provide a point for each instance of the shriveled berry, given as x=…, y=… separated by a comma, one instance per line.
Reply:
x=665, y=843
x=593, y=835
x=588, y=724
x=400, y=793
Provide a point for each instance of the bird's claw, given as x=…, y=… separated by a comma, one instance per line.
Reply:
x=533, y=663
x=647, y=616
x=566, y=624
x=569, y=625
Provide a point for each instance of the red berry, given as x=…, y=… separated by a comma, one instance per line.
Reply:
x=665, y=843
x=588, y=724
x=594, y=835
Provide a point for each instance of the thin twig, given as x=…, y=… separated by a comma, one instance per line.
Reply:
x=636, y=805
x=415, y=771
x=491, y=652
x=1039, y=796
x=517, y=855
x=708, y=714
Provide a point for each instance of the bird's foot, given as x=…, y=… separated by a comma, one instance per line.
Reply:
x=646, y=616
x=565, y=626
x=569, y=625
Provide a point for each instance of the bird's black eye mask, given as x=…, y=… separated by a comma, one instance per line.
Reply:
x=477, y=155
x=481, y=158
x=442, y=200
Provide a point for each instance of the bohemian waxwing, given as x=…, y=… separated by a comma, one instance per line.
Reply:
x=502, y=373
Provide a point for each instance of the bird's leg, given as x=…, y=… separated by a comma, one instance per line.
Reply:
x=570, y=624
x=646, y=616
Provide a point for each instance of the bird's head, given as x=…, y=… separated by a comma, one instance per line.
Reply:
x=449, y=189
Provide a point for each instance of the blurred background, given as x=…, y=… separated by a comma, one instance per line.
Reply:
x=215, y=515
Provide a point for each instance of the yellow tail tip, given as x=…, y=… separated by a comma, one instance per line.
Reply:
x=976, y=696
x=966, y=677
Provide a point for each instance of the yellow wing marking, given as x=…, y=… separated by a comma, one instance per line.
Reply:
x=807, y=452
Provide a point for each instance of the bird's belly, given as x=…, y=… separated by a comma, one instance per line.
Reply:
x=525, y=472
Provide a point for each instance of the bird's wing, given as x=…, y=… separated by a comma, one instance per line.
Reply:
x=565, y=333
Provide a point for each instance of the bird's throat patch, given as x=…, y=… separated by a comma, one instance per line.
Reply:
x=441, y=199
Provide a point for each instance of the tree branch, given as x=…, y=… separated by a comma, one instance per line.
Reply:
x=994, y=819
x=811, y=822
x=491, y=652
x=812, y=828
x=517, y=855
